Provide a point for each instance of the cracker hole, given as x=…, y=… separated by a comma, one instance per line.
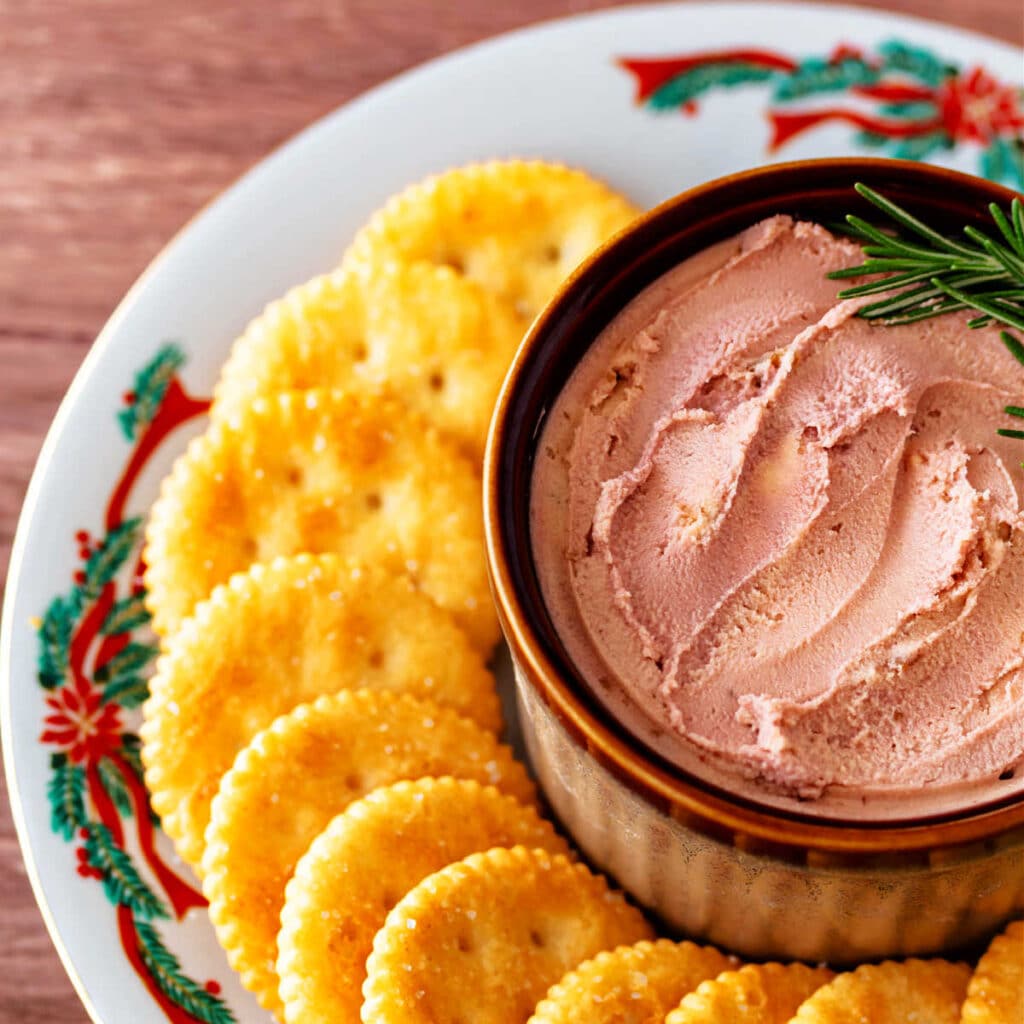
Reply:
x=551, y=253
x=376, y=659
x=465, y=943
x=294, y=476
x=353, y=782
x=373, y=501
x=455, y=262
x=536, y=939
x=360, y=353
x=436, y=381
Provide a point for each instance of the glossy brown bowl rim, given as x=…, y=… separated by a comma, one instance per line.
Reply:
x=675, y=792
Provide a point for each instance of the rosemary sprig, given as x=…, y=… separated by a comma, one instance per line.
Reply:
x=927, y=273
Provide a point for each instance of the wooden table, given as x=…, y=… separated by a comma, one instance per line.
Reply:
x=118, y=120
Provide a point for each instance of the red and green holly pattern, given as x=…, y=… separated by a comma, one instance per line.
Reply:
x=904, y=101
x=93, y=663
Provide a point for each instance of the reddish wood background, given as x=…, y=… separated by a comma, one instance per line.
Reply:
x=118, y=120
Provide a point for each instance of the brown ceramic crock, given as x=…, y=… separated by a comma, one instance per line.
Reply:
x=760, y=881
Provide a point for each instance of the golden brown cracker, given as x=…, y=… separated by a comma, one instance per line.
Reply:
x=754, y=994
x=483, y=939
x=630, y=985
x=281, y=635
x=922, y=991
x=320, y=471
x=418, y=332
x=516, y=228
x=366, y=860
x=995, y=993
x=296, y=775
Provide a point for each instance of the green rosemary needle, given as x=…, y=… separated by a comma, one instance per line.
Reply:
x=927, y=273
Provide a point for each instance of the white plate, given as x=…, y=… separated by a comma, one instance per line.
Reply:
x=560, y=91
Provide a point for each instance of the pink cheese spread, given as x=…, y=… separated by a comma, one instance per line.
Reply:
x=783, y=544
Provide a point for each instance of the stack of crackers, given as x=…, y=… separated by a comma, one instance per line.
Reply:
x=321, y=736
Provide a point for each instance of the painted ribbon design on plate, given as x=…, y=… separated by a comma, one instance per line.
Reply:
x=904, y=101
x=93, y=664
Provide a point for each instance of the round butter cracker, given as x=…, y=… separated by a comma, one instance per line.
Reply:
x=418, y=332
x=515, y=228
x=296, y=775
x=366, y=860
x=995, y=993
x=922, y=991
x=753, y=994
x=483, y=939
x=630, y=985
x=320, y=471
x=280, y=635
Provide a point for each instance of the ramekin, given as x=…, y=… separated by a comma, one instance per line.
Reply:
x=713, y=866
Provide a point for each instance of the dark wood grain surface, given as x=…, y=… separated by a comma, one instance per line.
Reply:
x=118, y=120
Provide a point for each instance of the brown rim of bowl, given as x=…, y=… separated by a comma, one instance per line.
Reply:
x=953, y=198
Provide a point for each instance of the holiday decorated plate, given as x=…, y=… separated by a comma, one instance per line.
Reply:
x=653, y=100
